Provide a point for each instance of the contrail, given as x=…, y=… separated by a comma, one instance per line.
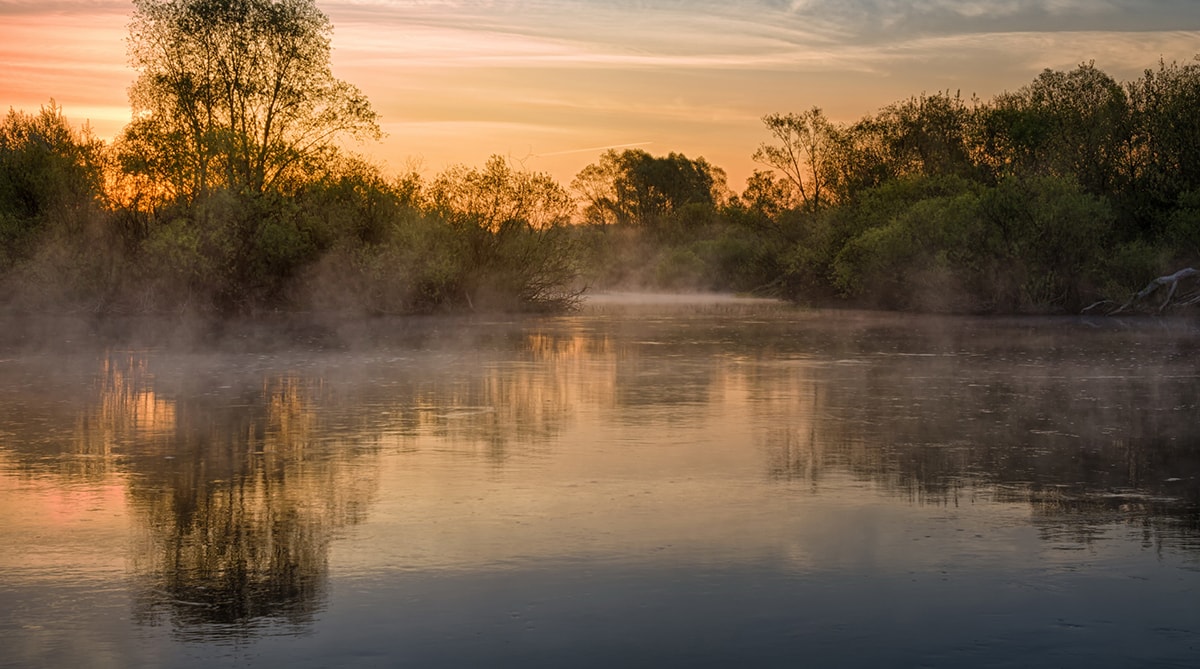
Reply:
x=593, y=148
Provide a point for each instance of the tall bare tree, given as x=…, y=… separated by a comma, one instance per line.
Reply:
x=803, y=152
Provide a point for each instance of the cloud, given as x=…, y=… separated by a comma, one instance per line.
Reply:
x=892, y=21
x=455, y=79
x=573, y=34
x=591, y=149
x=801, y=35
x=9, y=8
x=75, y=58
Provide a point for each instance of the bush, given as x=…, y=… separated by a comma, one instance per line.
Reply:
x=1181, y=237
x=1023, y=245
x=680, y=268
x=1053, y=236
x=416, y=267
x=926, y=257
x=739, y=260
x=50, y=179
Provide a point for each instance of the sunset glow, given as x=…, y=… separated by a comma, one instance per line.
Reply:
x=552, y=84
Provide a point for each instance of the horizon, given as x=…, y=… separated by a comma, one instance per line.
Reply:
x=551, y=85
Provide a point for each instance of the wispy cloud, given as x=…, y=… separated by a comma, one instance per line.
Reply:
x=900, y=20
x=847, y=35
x=591, y=149
x=455, y=79
x=579, y=34
x=75, y=57
x=62, y=7
x=814, y=20
x=697, y=76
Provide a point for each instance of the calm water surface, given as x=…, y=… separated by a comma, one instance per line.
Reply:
x=724, y=483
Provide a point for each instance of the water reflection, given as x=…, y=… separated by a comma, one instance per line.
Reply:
x=239, y=507
x=235, y=485
x=1085, y=427
x=655, y=438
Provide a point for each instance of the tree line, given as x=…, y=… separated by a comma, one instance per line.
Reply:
x=227, y=194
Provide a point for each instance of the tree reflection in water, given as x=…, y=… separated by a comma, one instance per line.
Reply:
x=241, y=469
x=240, y=497
x=1088, y=436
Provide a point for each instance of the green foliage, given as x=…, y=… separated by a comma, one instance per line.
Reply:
x=737, y=261
x=765, y=198
x=680, y=269
x=488, y=199
x=350, y=242
x=416, y=267
x=1127, y=268
x=1014, y=204
x=228, y=252
x=222, y=198
x=929, y=135
x=532, y=268
x=1073, y=123
x=50, y=179
x=1182, y=231
x=54, y=248
x=1164, y=154
x=829, y=164
x=351, y=200
x=1023, y=245
x=921, y=258
x=1054, y=228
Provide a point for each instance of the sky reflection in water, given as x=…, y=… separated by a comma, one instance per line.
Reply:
x=717, y=484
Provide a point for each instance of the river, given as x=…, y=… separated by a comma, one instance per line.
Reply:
x=648, y=482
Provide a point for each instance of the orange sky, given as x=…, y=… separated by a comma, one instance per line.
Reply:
x=551, y=83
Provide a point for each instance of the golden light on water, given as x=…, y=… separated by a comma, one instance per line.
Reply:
x=497, y=481
x=128, y=401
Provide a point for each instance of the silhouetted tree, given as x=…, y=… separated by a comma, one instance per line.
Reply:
x=767, y=196
x=1165, y=147
x=928, y=135
x=514, y=250
x=498, y=195
x=635, y=187
x=1063, y=124
x=235, y=94
x=803, y=153
x=50, y=177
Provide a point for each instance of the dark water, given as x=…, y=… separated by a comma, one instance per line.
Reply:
x=726, y=483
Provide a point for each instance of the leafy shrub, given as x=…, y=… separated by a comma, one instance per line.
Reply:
x=680, y=269
x=50, y=178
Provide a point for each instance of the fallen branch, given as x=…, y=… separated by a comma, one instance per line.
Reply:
x=1171, y=280
x=1095, y=305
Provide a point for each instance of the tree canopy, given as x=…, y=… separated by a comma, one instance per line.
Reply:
x=235, y=94
x=49, y=172
x=229, y=192
x=635, y=187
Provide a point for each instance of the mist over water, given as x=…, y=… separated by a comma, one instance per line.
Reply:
x=660, y=481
